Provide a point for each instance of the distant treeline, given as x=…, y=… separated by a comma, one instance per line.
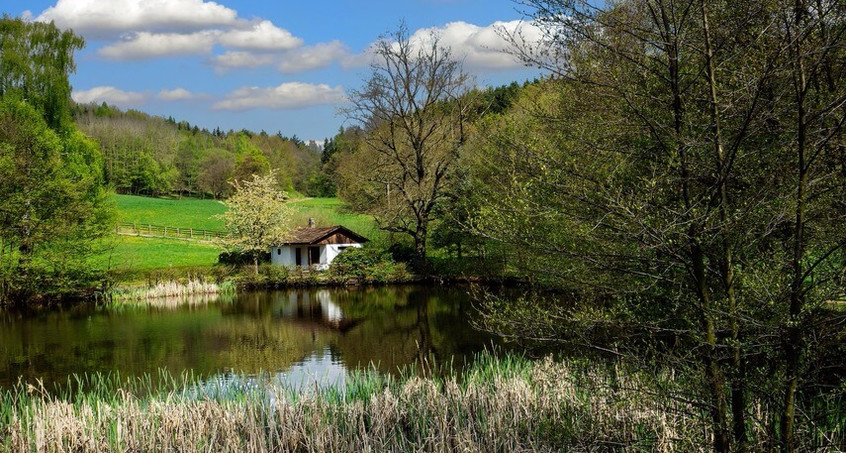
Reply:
x=150, y=155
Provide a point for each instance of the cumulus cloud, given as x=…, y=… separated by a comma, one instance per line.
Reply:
x=112, y=17
x=235, y=60
x=109, y=95
x=261, y=35
x=144, y=45
x=179, y=94
x=291, y=95
x=313, y=57
x=481, y=47
x=290, y=61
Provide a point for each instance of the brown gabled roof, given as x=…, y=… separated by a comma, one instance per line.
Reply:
x=304, y=236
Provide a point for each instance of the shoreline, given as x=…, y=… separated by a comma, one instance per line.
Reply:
x=209, y=284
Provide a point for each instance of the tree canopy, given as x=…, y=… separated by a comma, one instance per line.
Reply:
x=36, y=59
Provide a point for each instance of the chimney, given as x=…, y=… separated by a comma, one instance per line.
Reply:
x=311, y=222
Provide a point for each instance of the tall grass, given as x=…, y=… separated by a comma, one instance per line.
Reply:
x=496, y=405
x=172, y=293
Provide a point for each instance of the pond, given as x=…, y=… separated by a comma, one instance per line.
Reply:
x=299, y=336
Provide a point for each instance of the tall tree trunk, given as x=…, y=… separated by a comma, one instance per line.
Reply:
x=713, y=372
x=738, y=387
x=793, y=346
x=421, y=262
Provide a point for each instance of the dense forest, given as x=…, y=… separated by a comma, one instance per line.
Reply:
x=149, y=155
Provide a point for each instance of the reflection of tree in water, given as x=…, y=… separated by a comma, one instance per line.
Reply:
x=410, y=325
x=426, y=350
x=270, y=331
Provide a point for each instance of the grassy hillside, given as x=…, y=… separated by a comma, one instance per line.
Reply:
x=332, y=211
x=200, y=214
x=141, y=254
x=171, y=212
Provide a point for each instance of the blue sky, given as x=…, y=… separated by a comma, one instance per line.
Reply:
x=273, y=66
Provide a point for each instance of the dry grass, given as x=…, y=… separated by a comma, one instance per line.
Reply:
x=172, y=293
x=499, y=405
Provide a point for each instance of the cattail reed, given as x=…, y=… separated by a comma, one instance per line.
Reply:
x=495, y=405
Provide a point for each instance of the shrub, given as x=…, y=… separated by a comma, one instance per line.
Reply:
x=371, y=264
x=357, y=262
x=273, y=274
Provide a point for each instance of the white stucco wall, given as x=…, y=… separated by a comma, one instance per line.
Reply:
x=283, y=256
x=286, y=255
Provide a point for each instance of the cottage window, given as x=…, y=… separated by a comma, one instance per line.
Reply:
x=278, y=251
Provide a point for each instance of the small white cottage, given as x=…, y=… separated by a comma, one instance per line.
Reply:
x=314, y=247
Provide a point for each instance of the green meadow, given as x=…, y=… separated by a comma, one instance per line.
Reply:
x=170, y=212
x=130, y=253
x=140, y=254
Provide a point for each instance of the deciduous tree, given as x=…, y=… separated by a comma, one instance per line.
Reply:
x=414, y=115
x=257, y=217
x=671, y=157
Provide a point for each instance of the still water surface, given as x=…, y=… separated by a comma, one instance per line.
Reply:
x=298, y=336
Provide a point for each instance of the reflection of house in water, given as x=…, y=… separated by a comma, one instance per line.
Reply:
x=313, y=307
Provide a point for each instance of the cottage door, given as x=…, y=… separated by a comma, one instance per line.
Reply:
x=313, y=255
x=298, y=256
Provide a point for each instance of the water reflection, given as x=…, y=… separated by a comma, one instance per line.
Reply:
x=301, y=335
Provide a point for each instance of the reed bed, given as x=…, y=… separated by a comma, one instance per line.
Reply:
x=172, y=293
x=497, y=405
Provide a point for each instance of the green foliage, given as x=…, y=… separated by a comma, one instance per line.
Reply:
x=36, y=59
x=370, y=264
x=691, y=165
x=54, y=204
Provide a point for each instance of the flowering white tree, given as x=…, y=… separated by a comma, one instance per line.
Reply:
x=258, y=217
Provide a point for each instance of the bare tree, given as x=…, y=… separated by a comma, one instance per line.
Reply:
x=413, y=111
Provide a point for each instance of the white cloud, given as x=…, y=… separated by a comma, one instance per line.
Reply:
x=313, y=57
x=261, y=36
x=109, y=95
x=179, y=94
x=481, y=47
x=291, y=95
x=295, y=60
x=234, y=60
x=110, y=17
x=146, y=45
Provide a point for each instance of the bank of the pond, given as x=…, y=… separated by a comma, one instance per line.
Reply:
x=497, y=405
x=209, y=284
